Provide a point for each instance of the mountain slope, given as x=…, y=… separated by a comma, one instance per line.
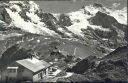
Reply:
x=96, y=27
x=112, y=67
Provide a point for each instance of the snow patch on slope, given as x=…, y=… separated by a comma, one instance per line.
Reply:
x=34, y=25
x=33, y=6
x=19, y=22
x=34, y=18
x=79, y=21
x=92, y=9
x=3, y=37
x=79, y=18
x=15, y=7
x=120, y=15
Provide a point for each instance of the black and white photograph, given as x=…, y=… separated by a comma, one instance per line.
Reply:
x=63, y=41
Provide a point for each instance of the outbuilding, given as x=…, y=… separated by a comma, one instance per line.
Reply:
x=26, y=69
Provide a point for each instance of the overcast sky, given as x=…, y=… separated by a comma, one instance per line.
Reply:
x=64, y=6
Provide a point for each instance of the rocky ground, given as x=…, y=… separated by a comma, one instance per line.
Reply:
x=113, y=67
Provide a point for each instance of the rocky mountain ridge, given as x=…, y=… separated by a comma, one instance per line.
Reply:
x=95, y=27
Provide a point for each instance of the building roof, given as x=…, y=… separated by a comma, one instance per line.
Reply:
x=33, y=64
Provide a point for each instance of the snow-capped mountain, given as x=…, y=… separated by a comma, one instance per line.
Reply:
x=98, y=27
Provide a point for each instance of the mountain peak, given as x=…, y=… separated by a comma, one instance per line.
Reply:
x=98, y=5
x=93, y=24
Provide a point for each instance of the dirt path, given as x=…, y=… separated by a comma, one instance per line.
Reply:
x=67, y=75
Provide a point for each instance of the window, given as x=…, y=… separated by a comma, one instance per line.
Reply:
x=45, y=72
x=40, y=75
x=11, y=70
